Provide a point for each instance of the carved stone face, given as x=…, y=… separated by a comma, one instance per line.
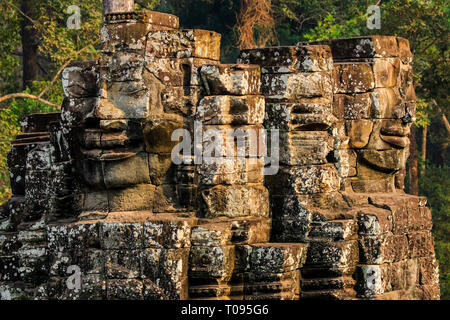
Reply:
x=139, y=95
x=381, y=146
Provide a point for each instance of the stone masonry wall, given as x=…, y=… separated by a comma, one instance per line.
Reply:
x=154, y=181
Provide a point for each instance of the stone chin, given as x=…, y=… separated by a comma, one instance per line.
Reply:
x=387, y=161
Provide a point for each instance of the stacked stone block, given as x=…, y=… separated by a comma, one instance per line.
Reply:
x=296, y=82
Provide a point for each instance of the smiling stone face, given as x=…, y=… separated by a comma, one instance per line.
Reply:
x=374, y=99
x=121, y=111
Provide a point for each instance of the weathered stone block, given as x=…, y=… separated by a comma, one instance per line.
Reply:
x=173, y=72
x=231, y=79
x=420, y=243
x=305, y=114
x=429, y=270
x=352, y=107
x=289, y=59
x=220, y=110
x=124, y=289
x=139, y=197
x=362, y=47
x=234, y=201
x=294, y=86
x=167, y=269
x=299, y=148
x=80, y=80
x=128, y=172
x=122, y=264
x=374, y=221
x=341, y=254
x=215, y=234
x=271, y=258
x=353, y=77
x=389, y=133
x=168, y=231
x=386, y=72
x=212, y=263
x=386, y=104
x=121, y=235
x=124, y=100
x=184, y=44
x=385, y=248
x=304, y=180
x=337, y=230
x=237, y=171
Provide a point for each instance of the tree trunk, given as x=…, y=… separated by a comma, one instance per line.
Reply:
x=29, y=45
x=116, y=6
x=424, y=149
x=413, y=174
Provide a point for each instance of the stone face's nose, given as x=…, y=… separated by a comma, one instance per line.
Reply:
x=117, y=6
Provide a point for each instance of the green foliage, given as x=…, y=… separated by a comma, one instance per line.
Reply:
x=435, y=185
x=329, y=29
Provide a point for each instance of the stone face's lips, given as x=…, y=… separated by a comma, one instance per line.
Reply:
x=396, y=141
x=395, y=130
x=108, y=155
x=396, y=135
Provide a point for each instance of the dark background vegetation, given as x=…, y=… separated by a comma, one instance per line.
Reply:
x=35, y=44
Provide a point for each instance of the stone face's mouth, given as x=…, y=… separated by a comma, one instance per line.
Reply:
x=396, y=135
x=105, y=145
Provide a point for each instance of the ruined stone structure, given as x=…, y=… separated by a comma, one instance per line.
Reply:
x=98, y=194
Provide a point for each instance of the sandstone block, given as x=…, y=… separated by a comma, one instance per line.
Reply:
x=385, y=248
x=429, y=271
x=135, y=198
x=224, y=110
x=352, y=77
x=362, y=47
x=237, y=171
x=128, y=172
x=266, y=259
x=124, y=100
x=80, y=80
x=294, y=86
x=305, y=147
x=386, y=72
x=122, y=264
x=168, y=231
x=342, y=254
x=214, y=234
x=121, y=235
x=421, y=243
x=231, y=79
x=352, y=107
x=183, y=44
x=359, y=132
x=174, y=72
x=386, y=104
x=234, y=201
x=305, y=114
x=304, y=180
x=374, y=221
x=212, y=263
x=122, y=289
x=168, y=270
x=337, y=230
x=289, y=59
